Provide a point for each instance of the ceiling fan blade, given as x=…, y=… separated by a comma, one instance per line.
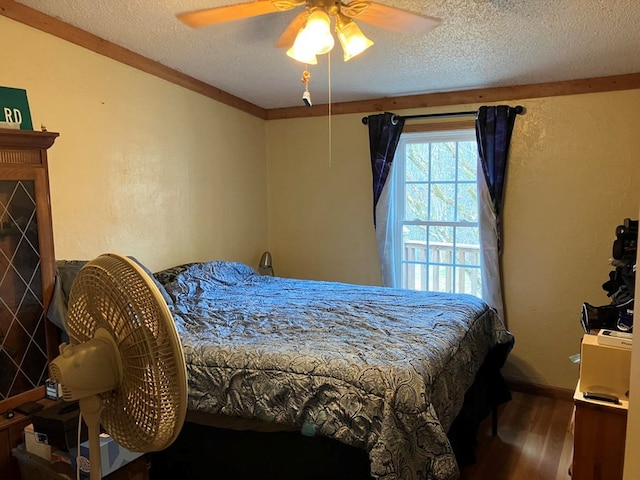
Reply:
x=211, y=16
x=289, y=35
x=393, y=18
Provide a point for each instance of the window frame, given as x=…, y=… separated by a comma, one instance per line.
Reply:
x=437, y=131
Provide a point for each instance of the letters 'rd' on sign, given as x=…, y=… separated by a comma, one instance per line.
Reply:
x=14, y=107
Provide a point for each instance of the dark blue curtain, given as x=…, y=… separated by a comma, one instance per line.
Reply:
x=384, y=135
x=494, y=126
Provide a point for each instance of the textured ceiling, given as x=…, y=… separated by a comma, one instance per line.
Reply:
x=480, y=44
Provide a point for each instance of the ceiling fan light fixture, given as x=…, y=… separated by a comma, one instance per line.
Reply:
x=316, y=35
x=302, y=52
x=353, y=41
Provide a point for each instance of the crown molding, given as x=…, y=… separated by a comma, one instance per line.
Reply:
x=463, y=97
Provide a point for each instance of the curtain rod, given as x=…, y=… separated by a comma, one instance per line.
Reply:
x=519, y=111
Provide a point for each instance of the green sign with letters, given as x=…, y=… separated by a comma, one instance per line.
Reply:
x=14, y=107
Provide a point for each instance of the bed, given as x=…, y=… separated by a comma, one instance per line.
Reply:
x=386, y=371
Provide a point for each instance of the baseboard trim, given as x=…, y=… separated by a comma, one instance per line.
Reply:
x=541, y=390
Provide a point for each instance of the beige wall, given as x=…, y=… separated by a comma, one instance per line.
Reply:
x=573, y=177
x=320, y=210
x=142, y=167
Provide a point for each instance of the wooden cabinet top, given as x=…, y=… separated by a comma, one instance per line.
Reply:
x=26, y=139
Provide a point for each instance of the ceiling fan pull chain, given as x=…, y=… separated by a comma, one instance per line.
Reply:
x=329, y=107
x=306, y=75
x=306, y=96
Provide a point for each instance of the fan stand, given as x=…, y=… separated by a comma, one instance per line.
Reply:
x=91, y=408
x=109, y=293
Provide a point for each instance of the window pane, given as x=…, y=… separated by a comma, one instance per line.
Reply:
x=417, y=162
x=443, y=161
x=440, y=278
x=442, y=207
x=467, y=161
x=414, y=276
x=440, y=244
x=416, y=201
x=467, y=255
x=468, y=235
x=468, y=280
x=467, y=202
x=414, y=240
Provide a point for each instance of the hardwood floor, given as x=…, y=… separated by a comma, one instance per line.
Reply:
x=533, y=442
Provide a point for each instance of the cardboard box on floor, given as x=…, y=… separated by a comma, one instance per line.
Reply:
x=112, y=456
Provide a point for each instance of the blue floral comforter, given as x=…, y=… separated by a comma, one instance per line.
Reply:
x=381, y=369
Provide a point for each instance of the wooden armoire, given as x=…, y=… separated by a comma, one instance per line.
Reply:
x=27, y=263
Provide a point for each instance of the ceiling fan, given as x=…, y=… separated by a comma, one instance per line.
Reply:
x=309, y=33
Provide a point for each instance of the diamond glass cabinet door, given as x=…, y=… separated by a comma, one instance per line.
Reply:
x=23, y=356
x=26, y=262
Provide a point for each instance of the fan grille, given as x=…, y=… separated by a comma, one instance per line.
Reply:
x=147, y=411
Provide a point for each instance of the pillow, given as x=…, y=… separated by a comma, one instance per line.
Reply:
x=168, y=275
x=230, y=273
x=66, y=271
x=163, y=292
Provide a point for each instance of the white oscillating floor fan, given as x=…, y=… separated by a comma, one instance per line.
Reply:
x=125, y=363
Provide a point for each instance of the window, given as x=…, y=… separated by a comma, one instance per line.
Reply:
x=436, y=235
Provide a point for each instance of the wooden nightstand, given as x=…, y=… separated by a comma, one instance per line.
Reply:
x=599, y=439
